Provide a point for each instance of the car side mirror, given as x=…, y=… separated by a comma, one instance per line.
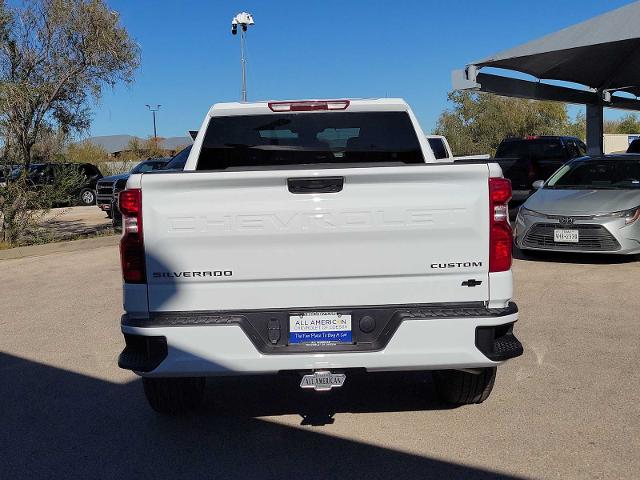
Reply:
x=538, y=184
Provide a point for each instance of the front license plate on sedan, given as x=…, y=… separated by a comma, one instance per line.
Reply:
x=566, y=236
x=319, y=328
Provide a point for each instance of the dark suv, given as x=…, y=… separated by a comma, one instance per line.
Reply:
x=527, y=159
x=48, y=174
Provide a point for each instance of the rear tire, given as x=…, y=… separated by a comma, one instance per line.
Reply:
x=463, y=388
x=174, y=395
x=116, y=220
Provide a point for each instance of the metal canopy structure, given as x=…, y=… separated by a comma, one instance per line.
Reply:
x=602, y=53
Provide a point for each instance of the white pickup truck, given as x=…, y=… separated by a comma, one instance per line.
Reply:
x=321, y=238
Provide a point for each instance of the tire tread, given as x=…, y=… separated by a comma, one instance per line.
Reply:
x=464, y=388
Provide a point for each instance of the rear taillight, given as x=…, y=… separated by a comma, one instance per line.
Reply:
x=308, y=105
x=131, y=244
x=500, y=234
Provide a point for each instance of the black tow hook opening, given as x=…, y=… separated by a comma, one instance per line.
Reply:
x=142, y=353
x=498, y=343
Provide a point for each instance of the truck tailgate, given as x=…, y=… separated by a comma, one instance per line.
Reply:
x=242, y=240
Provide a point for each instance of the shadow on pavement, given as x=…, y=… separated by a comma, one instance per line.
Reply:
x=260, y=396
x=59, y=424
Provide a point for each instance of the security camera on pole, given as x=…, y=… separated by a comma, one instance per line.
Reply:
x=243, y=19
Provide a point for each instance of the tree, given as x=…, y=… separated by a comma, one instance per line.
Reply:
x=628, y=124
x=138, y=149
x=152, y=148
x=86, y=152
x=55, y=56
x=578, y=127
x=477, y=123
x=23, y=206
x=49, y=146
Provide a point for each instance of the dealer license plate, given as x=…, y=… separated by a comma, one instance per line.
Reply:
x=320, y=328
x=567, y=236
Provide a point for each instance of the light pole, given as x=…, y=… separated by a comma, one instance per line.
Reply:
x=153, y=109
x=243, y=19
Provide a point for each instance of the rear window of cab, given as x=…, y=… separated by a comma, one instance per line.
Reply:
x=309, y=138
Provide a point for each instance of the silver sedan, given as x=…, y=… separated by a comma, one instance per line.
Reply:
x=591, y=204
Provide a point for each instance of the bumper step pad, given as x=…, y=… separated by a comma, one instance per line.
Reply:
x=498, y=343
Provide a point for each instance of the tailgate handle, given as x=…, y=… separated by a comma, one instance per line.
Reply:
x=315, y=184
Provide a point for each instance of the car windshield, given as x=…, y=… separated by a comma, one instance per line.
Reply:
x=534, y=149
x=149, y=165
x=308, y=138
x=178, y=162
x=598, y=174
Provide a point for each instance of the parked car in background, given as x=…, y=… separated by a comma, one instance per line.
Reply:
x=176, y=163
x=589, y=205
x=5, y=170
x=48, y=173
x=527, y=159
x=104, y=188
x=179, y=160
x=634, y=146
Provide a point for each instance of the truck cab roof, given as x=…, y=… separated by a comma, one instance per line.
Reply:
x=346, y=104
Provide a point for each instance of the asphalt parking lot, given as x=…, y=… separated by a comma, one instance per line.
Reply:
x=567, y=409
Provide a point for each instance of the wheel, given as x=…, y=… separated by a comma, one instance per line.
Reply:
x=464, y=388
x=87, y=197
x=116, y=219
x=174, y=395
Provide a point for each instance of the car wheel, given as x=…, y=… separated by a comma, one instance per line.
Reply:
x=174, y=395
x=116, y=220
x=87, y=197
x=464, y=388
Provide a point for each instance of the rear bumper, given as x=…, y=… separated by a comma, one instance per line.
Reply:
x=421, y=342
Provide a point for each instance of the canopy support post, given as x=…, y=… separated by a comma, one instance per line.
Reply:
x=595, y=129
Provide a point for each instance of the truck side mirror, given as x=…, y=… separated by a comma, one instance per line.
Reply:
x=538, y=184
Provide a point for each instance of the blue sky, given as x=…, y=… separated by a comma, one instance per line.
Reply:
x=312, y=49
